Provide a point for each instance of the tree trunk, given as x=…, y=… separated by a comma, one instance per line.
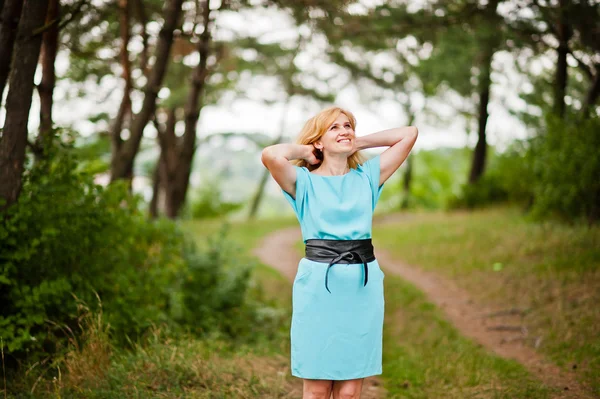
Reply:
x=11, y=13
x=260, y=190
x=143, y=19
x=408, y=174
x=564, y=33
x=479, y=155
x=176, y=188
x=156, y=187
x=46, y=86
x=592, y=95
x=125, y=106
x=258, y=195
x=18, y=101
x=122, y=163
x=168, y=160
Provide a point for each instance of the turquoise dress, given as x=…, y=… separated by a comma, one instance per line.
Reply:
x=337, y=335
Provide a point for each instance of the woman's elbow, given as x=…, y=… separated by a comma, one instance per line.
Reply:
x=269, y=155
x=266, y=155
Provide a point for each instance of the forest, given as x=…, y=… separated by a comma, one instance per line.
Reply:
x=134, y=208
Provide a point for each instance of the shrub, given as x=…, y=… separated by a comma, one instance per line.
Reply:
x=210, y=203
x=567, y=166
x=69, y=236
x=508, y=177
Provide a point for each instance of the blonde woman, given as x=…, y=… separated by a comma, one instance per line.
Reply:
x=338, y=302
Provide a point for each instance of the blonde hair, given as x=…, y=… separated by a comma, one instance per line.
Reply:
x=316, y=127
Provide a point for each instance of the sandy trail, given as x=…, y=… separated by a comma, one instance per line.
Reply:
x=471, y=319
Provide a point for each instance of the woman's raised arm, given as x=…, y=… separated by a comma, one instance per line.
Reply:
x=400, y=140
x=277, y=157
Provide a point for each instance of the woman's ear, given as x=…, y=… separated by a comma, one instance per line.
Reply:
x=318, y=145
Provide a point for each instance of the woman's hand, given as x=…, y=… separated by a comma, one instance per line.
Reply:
x=311, y=155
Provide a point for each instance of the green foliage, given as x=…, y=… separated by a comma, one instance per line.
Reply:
x=68, y=237
x=210, y=204
x=566, y=163
x=437, y=175
x=508, y=178
x=554, y=174
x=487, y=190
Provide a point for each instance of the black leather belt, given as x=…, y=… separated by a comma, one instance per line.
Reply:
x=340, y=251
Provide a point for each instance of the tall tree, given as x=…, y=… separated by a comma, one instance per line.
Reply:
x=125, y=107
x=9, y=22
x=177, y=153
x=125, y=151
x=18, y=101
x=46, y=86
x=463, y=39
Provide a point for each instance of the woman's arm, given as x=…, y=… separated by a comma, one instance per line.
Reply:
x=277, y=157
x=400, y=140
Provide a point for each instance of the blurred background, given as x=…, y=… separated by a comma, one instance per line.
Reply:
x=132, y=191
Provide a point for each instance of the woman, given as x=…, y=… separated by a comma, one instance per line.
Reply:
x=337, y=319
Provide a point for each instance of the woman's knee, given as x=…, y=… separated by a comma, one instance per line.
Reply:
x=317, y=389
x=347, y=389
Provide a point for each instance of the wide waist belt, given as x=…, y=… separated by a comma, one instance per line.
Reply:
x=340, y=251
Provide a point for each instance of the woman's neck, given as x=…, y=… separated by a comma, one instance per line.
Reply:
x=333, y=166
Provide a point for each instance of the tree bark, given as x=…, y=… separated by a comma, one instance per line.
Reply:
x=125, y=106
x=168, y=161
x=156, y=187
x=564, y=33
x=122, y=163
x=143, y=19
x=258, y=195
x=176, y=188
x=408, y=174
x=479, y=155
x=592, y=94
x=46, y=86
x=11, y=13
x=260, y=190
x=18, y=101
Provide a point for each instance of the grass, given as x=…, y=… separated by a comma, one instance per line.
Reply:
x=426, y=357
x=550, y=271
x=173, y=365
x=175, y=368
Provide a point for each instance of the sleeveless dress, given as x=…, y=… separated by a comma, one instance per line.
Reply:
x=337, y=335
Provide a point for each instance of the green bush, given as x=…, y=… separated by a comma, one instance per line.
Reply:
x=210, y=204
x=68, y=237
x=508, y=177
x=487, y=190
x=567, y=167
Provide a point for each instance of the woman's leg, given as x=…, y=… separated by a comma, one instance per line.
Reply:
x=347, y=389
x=317, y=389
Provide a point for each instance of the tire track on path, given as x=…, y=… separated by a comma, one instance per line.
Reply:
x=277, y=250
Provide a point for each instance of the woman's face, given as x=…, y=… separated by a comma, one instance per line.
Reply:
x=339, y=138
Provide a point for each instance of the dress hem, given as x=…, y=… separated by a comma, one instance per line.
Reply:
x=362, y=375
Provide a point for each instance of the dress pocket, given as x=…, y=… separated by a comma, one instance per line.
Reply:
x=304, y=270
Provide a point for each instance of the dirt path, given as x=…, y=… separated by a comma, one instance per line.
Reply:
x=485, y=326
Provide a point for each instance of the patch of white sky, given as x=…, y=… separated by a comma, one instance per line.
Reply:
x=252, y=114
